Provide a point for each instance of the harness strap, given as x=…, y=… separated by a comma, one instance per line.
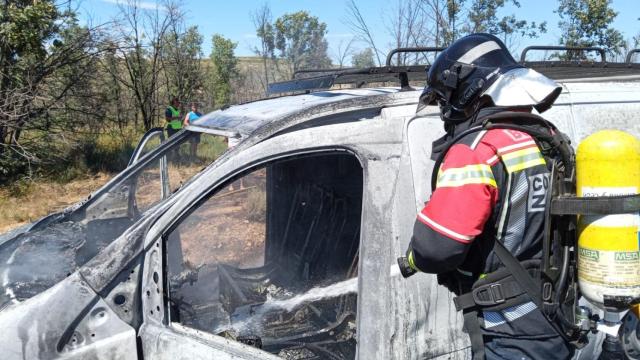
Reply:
x=491, y=294
x=519, y=273
x=621, y=204
x=472, y=325
x=529, y=285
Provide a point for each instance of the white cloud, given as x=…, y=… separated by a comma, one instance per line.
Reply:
x=149, y=5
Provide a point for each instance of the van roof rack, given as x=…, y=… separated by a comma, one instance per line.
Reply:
x=630, y=55
x=570, y=49
x=323, y=79
x=582, y=70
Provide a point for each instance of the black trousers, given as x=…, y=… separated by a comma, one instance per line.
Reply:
x=171, y=131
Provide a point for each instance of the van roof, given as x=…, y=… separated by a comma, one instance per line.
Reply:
x=243, y=119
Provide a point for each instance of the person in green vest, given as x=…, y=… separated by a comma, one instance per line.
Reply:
x=173, y=117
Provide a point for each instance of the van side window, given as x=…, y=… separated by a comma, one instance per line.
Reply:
x=180, y=164
x=238, y=263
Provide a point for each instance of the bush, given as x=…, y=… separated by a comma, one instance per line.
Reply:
x=12, y=168
x=97, y=157
x=256, y=205
x=20, y=188
x=66, y=159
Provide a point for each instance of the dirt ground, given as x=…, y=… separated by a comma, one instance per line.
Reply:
x=41, y=198
x=229, y=228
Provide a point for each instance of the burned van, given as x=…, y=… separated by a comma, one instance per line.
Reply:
x=283, y=247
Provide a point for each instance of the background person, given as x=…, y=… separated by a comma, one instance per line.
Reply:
x=192, y=116
x=172, y=117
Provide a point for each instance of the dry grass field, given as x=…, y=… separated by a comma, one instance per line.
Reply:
x=38, y=198
x=25, y=201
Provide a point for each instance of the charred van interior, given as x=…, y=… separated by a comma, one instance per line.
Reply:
x=239, y=263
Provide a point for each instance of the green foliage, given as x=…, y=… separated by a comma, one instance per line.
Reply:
x=363, y=59
x=64, y=86
x=181, y=54
x=451, y=32
x=25, y=27
x=47, y=68
x=266, y=32
x=100, y=154
x=300, y=39
x=588, y=23
x=224, y=69
x=11, y=166
x=483, y=17
x=452, y=19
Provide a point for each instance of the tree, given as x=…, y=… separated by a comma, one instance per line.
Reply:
x=45, y=57
x=343, y=51
x=265, y=31
x=409, y=27
x=363, y=59
x=636, y=40
x=483, y=17
x=588, y=23
x=300, y=40
x=359, y=26
x=224, y=69
x=181, y=56
x=454, y=8
x=509, y=26
x=444, y=14
x=140, y=35
x=440, y=22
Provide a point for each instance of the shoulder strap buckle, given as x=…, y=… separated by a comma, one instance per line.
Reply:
x=490, y=294
x=547, y=291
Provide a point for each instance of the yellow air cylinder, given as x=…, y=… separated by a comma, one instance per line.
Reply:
x=608, y=164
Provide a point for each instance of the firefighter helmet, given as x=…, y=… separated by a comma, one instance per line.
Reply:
x=478, y=70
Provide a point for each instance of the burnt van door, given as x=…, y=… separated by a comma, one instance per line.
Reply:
x=150, y=140
x=259, y=257
x=275, y=232
x=68, y=321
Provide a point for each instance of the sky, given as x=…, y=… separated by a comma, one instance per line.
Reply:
x=232, y=19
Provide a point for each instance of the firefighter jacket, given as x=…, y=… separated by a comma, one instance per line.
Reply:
x=491, y=185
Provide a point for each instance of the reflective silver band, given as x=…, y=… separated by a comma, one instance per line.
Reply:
x=473, y=54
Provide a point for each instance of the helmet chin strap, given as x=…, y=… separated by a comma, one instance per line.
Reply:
x=453, y=117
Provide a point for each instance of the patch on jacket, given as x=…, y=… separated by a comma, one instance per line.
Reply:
x=538, y=186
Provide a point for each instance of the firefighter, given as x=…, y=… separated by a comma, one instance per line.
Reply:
x=490, y=193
